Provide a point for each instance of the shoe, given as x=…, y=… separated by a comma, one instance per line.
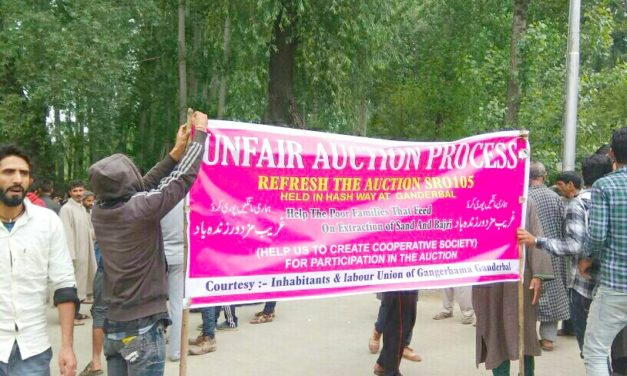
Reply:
x=78, y=322
x=443, y=315
x=87, y=301
x=225, y=326
x=378, y=370
x=374, y=342
x=264, y=318
x=89, y=371
x=203, y=345
x=197, y=341
x=410, y=354
x=81, y=316
x=467, y=320
x=547, y=345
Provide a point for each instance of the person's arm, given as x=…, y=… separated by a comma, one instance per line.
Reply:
x=574, y=234
x=173, y=187
x=61, y=277
x=599, y=222
x=164, y=167
x=67, y=359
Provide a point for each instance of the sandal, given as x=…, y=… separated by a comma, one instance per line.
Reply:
x=78, y=322
x=546, y=345
x=90, y=371
x=81, y=316
x=264, y=318
x=261, y=313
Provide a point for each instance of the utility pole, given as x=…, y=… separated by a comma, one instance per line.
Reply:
x=572, y=87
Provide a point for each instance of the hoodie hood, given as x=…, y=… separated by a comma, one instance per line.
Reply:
x=115, y=178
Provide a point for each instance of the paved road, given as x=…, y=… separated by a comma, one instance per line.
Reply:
x=330, y=337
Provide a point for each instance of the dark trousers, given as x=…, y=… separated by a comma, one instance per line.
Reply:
x=378, y=325
x=579, y=308
x=399, y=320
x=503, y=369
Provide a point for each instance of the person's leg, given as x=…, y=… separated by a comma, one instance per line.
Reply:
x=502, y=369
x=175, y=309
x=448, y=297
x=97, y=342
x=619, y=366
x=265, y=315
x=447, y=304
x=38, y=365
x=608, y=316
x=374, y=343
x=116, y=365
x=464, y=299
x=145, y=355
x=208, y=315
x=567, y=328
x=378, y=325
x=548, y=334
x=530, y=365
x=230, y=316
x=98, y=312
x=409, y=334
x=408, y=314
x=392, y=350
x=268, y=308
x=579, y=308
x=206, y=341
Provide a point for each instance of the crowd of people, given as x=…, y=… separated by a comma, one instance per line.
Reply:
x=119, y=249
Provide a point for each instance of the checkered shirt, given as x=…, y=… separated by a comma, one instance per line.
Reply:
x=574, y=233
x=553, y=304
x=607, y=238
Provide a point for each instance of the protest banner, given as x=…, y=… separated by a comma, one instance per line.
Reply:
x=279, y=213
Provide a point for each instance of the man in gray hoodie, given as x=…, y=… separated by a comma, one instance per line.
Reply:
x=127, y=225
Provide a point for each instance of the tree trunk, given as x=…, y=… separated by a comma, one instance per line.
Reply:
x=59, y=161
x=519, y=24
x=362, y=121
x=281, y=108
x=224, y=69
x=182, y=65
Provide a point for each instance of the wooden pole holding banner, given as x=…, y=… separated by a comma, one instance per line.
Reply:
x=521, y=292
x=185, y=317
x=521, y=312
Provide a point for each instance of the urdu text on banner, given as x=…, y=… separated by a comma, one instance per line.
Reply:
x=279, y=213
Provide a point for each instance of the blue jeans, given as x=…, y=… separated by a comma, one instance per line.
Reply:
x=579, y=309
x=269, y=307
x=38, y=365
x=209, y=321
x=98, y=308
x=607, y=317
x=142, y=356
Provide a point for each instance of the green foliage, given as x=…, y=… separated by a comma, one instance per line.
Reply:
x=82, y=79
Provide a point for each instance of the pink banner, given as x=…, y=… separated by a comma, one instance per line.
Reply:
x=278, y=213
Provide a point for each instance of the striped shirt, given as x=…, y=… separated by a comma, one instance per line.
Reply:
x=607, y=238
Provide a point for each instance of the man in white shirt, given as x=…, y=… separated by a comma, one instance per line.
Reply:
x=33, y=253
